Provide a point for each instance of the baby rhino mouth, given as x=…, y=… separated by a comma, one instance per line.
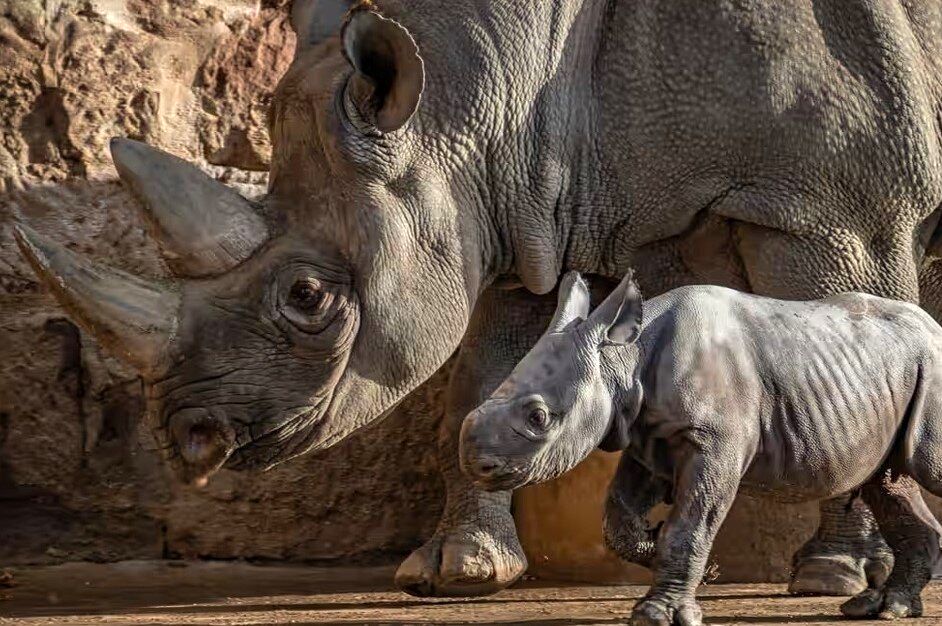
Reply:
x=482, y=443
x=490, y=472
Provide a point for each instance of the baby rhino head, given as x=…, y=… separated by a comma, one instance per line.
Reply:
x=555, y=407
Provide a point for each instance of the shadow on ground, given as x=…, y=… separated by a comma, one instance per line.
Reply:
x=216, y=593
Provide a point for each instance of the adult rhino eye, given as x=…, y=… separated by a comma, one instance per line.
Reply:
x=311, y=305
x=306, y=296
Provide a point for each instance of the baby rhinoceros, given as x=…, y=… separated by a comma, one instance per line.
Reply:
x=717, y=390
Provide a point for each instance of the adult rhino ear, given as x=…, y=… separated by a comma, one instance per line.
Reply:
x=386, y=88
x=314, y=21
x=573, y=302
x=618, y=319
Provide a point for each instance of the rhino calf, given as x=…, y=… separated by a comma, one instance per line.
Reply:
x=716, y=391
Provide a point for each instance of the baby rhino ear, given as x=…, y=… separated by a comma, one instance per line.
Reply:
x=572, y=304
x=618, y=318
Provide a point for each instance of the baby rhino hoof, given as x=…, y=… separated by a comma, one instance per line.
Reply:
x=883, y=604
x=654, y=612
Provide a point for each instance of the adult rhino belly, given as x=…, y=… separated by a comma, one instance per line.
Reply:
x=833, y=407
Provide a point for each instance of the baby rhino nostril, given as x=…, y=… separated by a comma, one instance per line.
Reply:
x=487, y=466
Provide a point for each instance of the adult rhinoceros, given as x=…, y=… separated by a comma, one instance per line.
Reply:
x=438, y=165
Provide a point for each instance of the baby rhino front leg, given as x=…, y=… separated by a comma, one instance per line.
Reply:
x=704, y=490
x=631, y=496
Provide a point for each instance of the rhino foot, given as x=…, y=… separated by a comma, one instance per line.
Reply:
x=838, y=574
x=465, y=561
x=845, y=557
x=662, y=612
x=883, y=603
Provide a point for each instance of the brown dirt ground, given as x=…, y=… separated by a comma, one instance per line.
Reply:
x=170, y=593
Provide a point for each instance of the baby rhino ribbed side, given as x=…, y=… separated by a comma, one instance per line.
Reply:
x=714, y=391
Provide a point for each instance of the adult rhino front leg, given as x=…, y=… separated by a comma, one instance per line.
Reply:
x=847, y=554
x=475, y=550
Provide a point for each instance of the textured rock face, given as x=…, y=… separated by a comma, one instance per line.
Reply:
x=79, y=478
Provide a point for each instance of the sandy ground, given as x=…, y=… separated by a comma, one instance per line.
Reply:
x=171, y=593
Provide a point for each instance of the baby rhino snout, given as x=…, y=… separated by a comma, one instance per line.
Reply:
x=204, y=443
x=479, y=446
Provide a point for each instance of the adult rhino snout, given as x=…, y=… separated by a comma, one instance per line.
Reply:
x=203, y=441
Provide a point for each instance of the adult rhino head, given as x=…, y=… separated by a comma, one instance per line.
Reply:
x=291, y=322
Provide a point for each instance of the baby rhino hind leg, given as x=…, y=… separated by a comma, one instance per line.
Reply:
x=913, y=534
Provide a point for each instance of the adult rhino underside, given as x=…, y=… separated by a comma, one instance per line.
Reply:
x=439, y=164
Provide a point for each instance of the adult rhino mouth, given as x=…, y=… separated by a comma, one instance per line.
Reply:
x=198, y=442
x=292, y=437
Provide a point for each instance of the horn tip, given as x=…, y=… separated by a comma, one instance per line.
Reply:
x=121, y=148
x=36, y=249
x=117, y=142
x=29, y=241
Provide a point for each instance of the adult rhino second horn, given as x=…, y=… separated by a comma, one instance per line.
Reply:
x=203, y=226
x=133, y=318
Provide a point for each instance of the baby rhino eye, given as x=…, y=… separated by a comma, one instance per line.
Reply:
x=538, y=418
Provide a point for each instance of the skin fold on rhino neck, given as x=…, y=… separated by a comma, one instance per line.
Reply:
x=621, y=372
x=543, y=205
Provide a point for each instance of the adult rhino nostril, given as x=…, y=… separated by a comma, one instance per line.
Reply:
x=203, y=442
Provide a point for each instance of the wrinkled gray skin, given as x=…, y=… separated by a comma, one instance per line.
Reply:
x=718, y=391
x=440, y=164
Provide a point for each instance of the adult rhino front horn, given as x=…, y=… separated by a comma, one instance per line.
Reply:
x=203, y=227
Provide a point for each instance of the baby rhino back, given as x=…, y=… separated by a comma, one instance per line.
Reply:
x=815, y=391
x=841, y=377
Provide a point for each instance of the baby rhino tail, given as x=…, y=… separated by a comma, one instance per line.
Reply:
x=920, y=443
